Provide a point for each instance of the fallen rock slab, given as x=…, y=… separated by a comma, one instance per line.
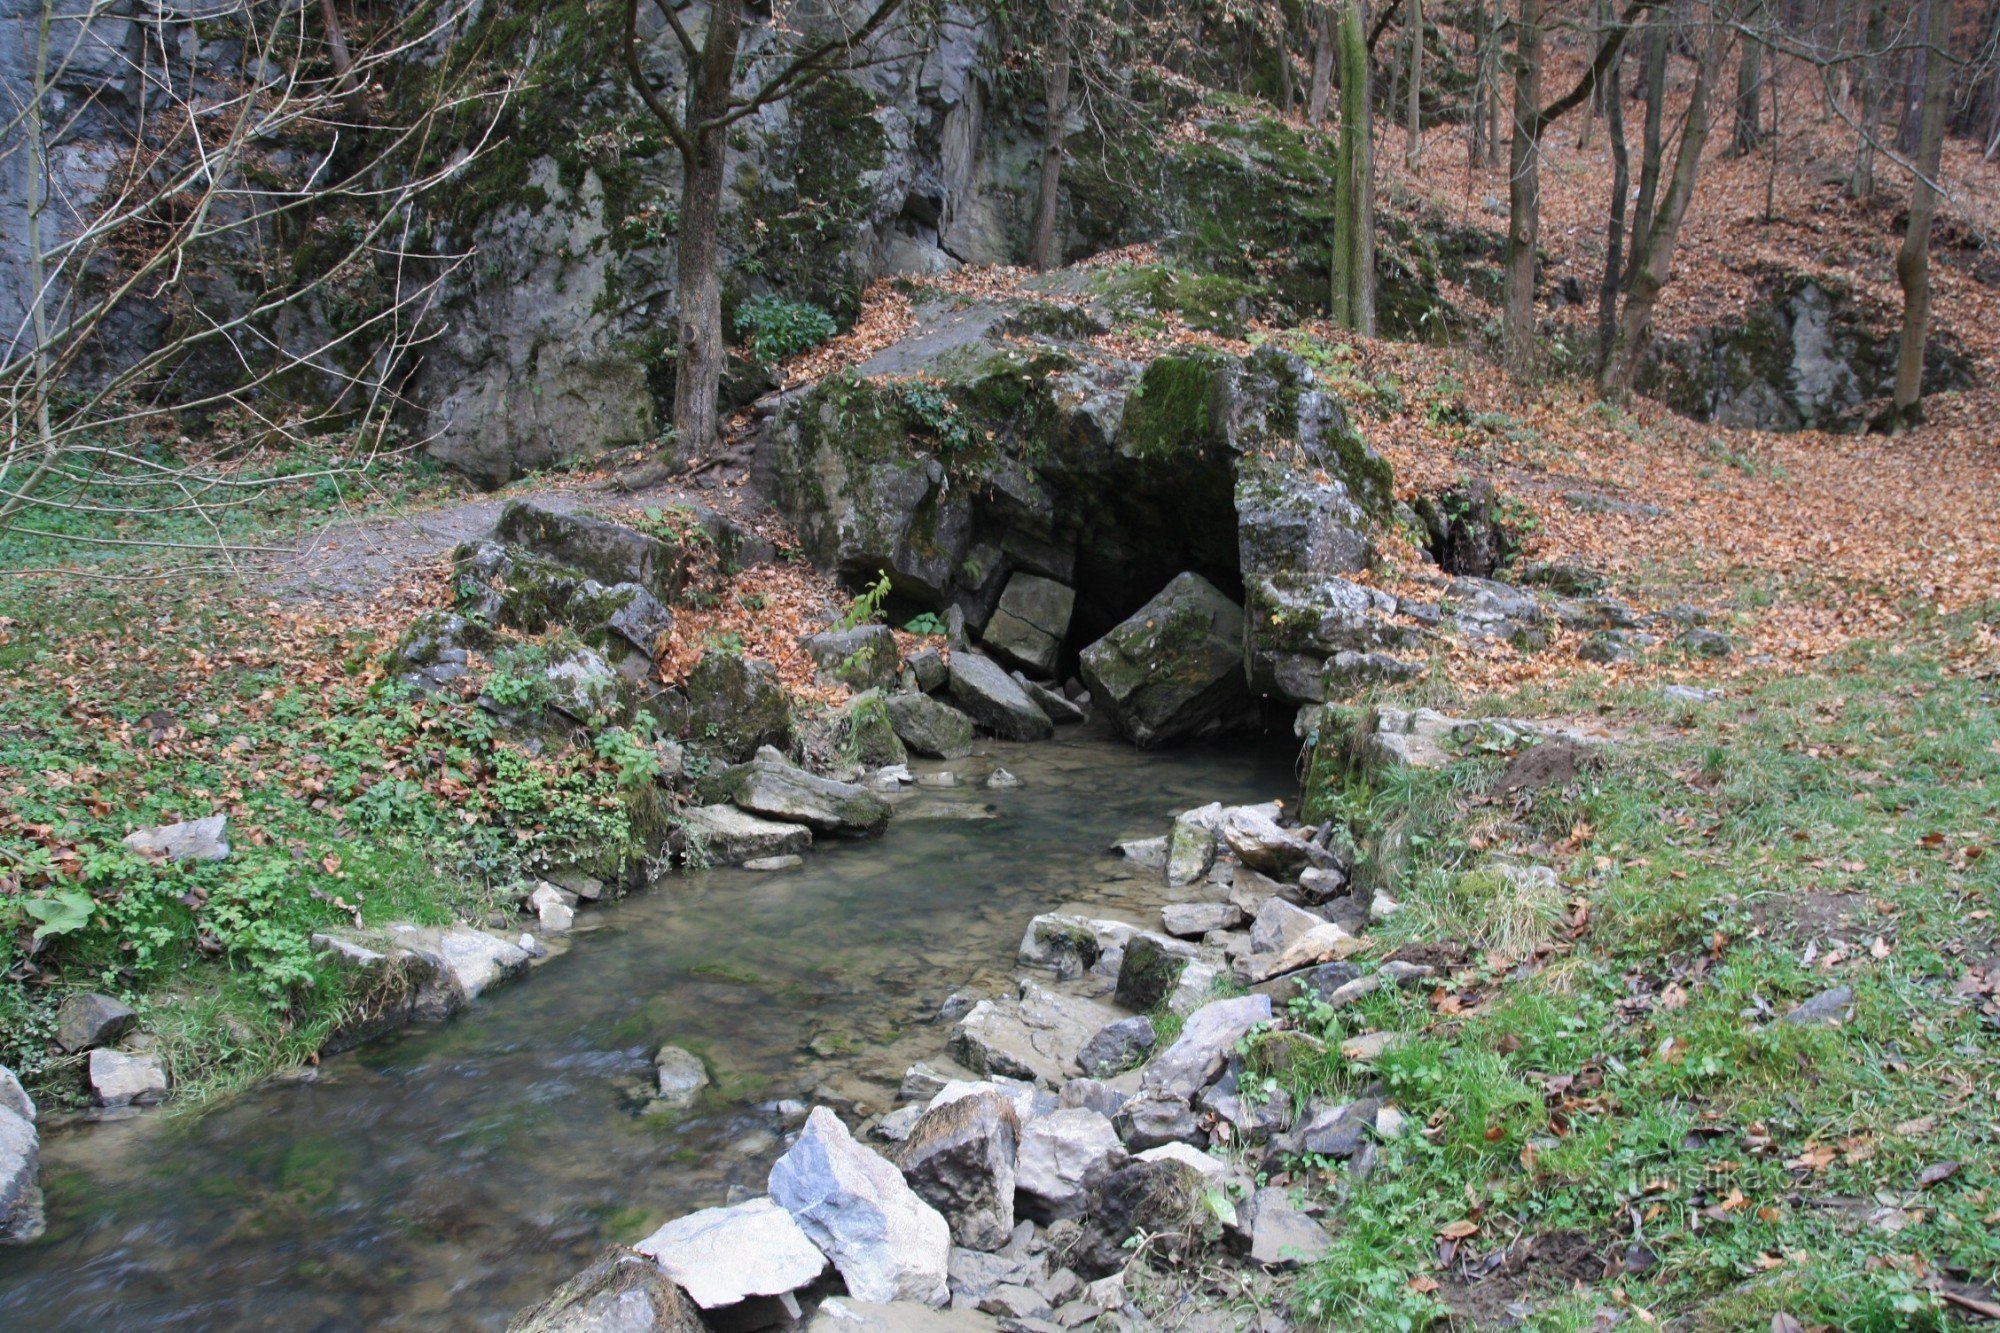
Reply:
x=770, y=787
x=726, y=835
x=118, y=1079
x=888, y=1244
x=930, y=727
x=196, y=840
x=1174, y=668
x=989, y=695
x=722, y=1256
x=1037, y=1036
x=1204, y=1045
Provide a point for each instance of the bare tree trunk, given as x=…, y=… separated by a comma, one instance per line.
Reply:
x=1354, y=181
x=1913, y=261
x=1413, y=149
x=1651, y=150
x=1654, y=264
x=1475, y=121
x=1055, y=101
x=1494, y=99
x=1322, y=72
x=699, y=354
x=1749, y=133
x=1614, y=231
x=1909, y=130
x=1863, y=184
x=1524, y=201
x=1285, y=94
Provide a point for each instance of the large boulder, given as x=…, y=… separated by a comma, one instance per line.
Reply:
x=985, y=691
x=20, y=1150
x=724, y=1256
x=1028, y=625
x=959, y=1158
x=1174, y=668
x=1063, y=1156
x=888, y=1244
x=723, y=835
x=1148, y=972
x=868, y=732
x=604, y=551
x=864, y=658
x=1253, y=833
x=621, y=1292
x=1205, y=1043
x=1037, y=1036
x=1305, y=640
x=118, y=1079
x=929, y=727
x=407, y=972
x=736, y=704
x=775, y=789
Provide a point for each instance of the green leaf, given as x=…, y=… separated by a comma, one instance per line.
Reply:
x=61, y=913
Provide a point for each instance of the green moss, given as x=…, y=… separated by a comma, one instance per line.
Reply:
x=1171, y=411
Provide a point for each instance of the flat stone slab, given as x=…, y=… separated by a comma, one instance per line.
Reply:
x=720, y=1256
x=1038, y=1036
x=730, y=836
x=196, y=840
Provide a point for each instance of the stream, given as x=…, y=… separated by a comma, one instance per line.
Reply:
x=445, y=1177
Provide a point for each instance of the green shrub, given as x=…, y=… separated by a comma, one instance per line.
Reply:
x=774, y=328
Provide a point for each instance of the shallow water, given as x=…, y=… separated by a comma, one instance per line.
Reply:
x=446, y=1177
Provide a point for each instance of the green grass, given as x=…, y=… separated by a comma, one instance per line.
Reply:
x=1638, y=1070
x=154, y=703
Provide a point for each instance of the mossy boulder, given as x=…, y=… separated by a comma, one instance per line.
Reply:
x=607, y=552
x=1174, y=669
x=868, y=733
x=864, y=657
x=1147, y=974
x=928, y=726
x=736, y=704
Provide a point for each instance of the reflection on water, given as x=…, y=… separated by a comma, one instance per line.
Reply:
x=446, y=1177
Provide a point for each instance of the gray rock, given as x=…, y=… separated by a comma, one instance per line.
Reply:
x=637, y=617
x=1148, y=972
x=1063, y=1157
x=1280, y=1235
x=1027, y=1100
x=768, y=864
x=1001, y=780
x=1061, y=710
x=989, y=695
x=959, y=1158
x=1193, y=920
x=118, y=1079
x=863, y=658
x=929, y=727
x=1158, y=1199
x=1092, y=1094
x=1828, y=1007
x=1252, y=832
x=1148, y=853
x=868, y=737
x=974, y=1273
x=604, y=551
x=20, y=1149
x=1190, y=848
x=775, y=789
x=552, y=911
x=844, y=1314
x=888, y=1243
x=1028, y=626
x=721, y=1256
x=1037, y=1036
x=928, y=668
x=88, y=1019
x=1689, y=694
x=736, y=705
x=467, y=963
x=1278, y=924
x=621, y=1292
x=1316, y=885
x=195, y=840
x=1070, y=943
x=1295, y=629
x=1339, y=1131
x=1152, y=1119
x=14, y=1097
x=1206, y=1040
x=1174, y=668
x=1195, y=987
x=681, y=1075
x=1117, y=1046
x=724, y=835
x=584, y=686
x=1704, y=643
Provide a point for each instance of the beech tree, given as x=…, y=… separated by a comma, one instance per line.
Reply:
x=1055, y=113
x=1354, y=179
x=1913, y=260
x=708, y=36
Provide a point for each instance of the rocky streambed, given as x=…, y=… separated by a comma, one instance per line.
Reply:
x=447, y=1177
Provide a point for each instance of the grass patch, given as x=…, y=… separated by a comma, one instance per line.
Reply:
x=1628, y=1084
